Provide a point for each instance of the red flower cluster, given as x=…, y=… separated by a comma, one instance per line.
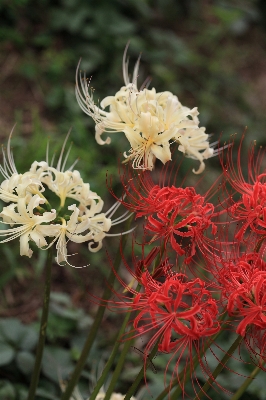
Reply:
x=176, y=308
x=223, y=244
x=244, y=287
x=177, y=213
x=250, y=209
x=174, y=215
x=179, y=312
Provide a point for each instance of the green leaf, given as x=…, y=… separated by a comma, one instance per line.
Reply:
x=57, y=363
x=11, y=329
x=7, y=391
x=59, y=327
x=25, y=362
x=28, y=338
x=7, y=353
x=13, y=332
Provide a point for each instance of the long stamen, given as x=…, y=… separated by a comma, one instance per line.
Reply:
x=58, y=167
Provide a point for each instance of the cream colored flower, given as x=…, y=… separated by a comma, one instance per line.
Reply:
x=151, y=121
x=67, y=183
x=35, y=219
x=29, y=219
x=20, y=185
x=79, y=230
x=17, y=185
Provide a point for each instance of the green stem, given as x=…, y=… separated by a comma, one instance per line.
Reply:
x=43, y=326
x=219, y=368
x=246, y=384
x=131, y=391
x=118, y=369
x=110, y=360
x=95, y=326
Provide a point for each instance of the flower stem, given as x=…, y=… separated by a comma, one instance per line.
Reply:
x=95, y=326
x=118, y=369
x=219, y=368
x=131, y=391
x=43, y=326
x=246, y=384
x=109, y=363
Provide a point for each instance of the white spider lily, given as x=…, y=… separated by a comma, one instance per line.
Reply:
x=151, y=121
x=67, y=183
x=194, y=144
x=20, y=185
x=17, y=185
x=30, y=224
x=84, y=229
x=79, y=230
x=33, y=217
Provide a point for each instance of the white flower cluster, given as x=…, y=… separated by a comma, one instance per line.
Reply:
x=32, y=218
x=151, y=122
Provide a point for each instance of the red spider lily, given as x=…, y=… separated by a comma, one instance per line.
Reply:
x=178, y=216
x=243, y=284
x=250, y=209
x=178, y=213
x=239, y=271
x=180, y=307
x=247, y=300
x=180, y=313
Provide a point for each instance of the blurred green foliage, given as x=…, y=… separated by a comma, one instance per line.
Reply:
x=201, y=51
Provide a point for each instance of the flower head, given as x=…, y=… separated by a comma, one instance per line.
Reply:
x=243, y=283
x=151, y=121
x=249, y=210
x=178, y=216
x=79, y=217
x=180, y=314
x=242, y=280
x=30, y=222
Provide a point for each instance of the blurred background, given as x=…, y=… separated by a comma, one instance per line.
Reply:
x=211, y=54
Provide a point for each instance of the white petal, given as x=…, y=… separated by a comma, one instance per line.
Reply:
x=162, y=153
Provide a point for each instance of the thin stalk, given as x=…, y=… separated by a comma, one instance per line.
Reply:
x=118, y=369
x=121, y=360
x=95, y=326
x=109, y=363
x=131, y=391
x=246, y=384
x=219, y=368
x=42, y=333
